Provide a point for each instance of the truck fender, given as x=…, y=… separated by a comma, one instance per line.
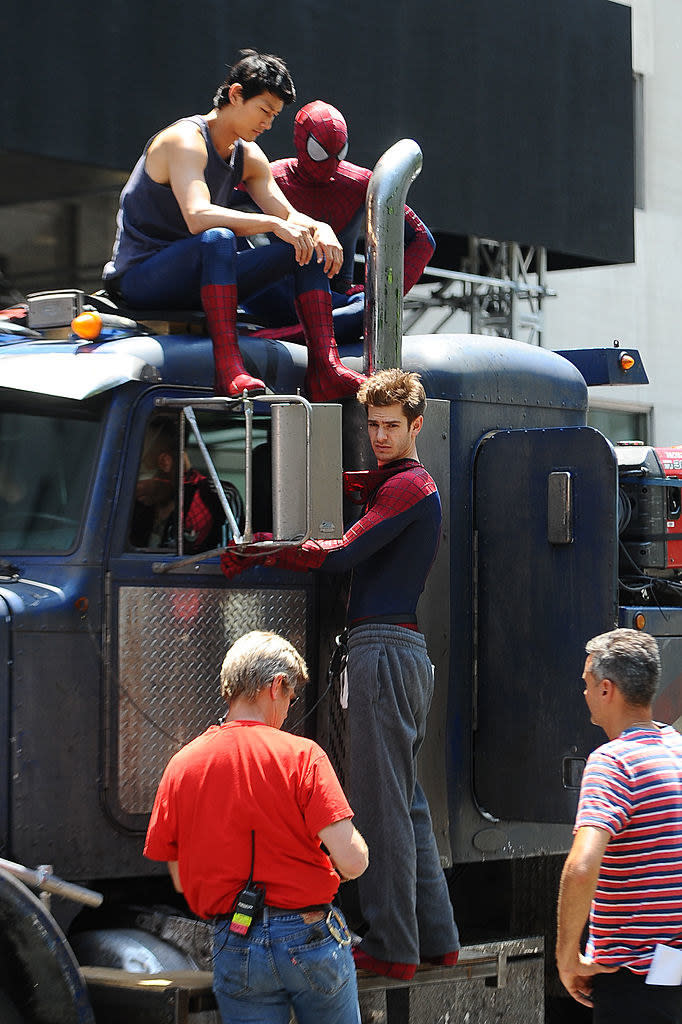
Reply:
x=40, y=981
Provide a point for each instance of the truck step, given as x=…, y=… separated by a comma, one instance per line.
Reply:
x=174, y=997
x=185, y=997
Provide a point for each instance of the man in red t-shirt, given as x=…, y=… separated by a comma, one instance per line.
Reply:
x=246, y=807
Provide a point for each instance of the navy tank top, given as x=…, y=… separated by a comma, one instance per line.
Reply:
x=149, y=217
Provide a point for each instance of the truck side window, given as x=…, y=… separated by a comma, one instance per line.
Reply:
x=224, y=437
x=156, y=487
x=154, y=522
x=46, y=467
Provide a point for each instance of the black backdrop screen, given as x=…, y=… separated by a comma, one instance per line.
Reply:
x=523, y=109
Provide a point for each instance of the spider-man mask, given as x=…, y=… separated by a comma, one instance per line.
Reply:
x=321, y=140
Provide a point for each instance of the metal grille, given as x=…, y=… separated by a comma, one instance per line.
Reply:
x=171, y=643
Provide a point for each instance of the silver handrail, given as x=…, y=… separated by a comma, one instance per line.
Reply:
x=187, y=406
x=42, y=878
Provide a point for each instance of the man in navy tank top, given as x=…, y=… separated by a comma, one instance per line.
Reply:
x=176, y=241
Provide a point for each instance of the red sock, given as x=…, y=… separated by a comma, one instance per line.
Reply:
x=220, y=305
x=445, y=960
x=387, y=968
x=327, y=378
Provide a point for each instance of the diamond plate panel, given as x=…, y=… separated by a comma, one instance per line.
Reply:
x=171, y=643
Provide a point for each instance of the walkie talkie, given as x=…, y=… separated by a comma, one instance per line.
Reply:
x=249, y=901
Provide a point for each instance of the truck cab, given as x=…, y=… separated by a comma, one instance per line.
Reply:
x=115, y=616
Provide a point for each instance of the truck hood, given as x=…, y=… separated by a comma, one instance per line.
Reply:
x=67, y=368
x=27, y=593
x=78, y=374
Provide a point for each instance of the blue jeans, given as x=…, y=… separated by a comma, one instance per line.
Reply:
x=284, y=963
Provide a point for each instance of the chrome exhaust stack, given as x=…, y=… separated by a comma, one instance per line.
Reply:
x=384, y=245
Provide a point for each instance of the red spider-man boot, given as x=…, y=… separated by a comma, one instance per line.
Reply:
x=327, y=379
x=220, y=305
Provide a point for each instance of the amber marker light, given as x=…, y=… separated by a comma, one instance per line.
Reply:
x=88, y=325
x=626, y=361
x=639, y=621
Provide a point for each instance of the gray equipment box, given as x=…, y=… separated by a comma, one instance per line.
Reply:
x=54, y=309
x=292, y=491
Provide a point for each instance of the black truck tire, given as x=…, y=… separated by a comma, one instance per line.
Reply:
x=40, y=981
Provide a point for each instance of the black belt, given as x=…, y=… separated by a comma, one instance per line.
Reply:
x=324, y=908
x=385, y=620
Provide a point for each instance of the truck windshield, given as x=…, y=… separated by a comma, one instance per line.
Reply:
x=45, y=468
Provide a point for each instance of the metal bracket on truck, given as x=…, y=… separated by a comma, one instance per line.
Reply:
x=296, y=447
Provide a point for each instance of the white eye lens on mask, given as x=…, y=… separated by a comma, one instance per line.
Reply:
x=341, y=155
x=315, y=150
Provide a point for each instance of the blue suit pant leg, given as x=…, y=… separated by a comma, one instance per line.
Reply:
x=275, y=306
x=174, y=276
x=284, y=963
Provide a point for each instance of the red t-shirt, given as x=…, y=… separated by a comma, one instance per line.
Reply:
x=239, y=777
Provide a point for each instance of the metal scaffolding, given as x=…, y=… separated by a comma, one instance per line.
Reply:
x=501, y=288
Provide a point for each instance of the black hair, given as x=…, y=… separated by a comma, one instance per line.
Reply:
x=257, y=73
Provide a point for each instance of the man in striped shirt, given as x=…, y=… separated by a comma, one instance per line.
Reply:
x=625, y=866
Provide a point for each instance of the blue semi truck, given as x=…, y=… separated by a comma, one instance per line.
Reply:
x=112, y=630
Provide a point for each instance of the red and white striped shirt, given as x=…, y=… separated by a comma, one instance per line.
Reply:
x=632, y=788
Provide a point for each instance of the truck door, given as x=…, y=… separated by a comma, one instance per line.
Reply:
x=5, y=713
x=545, y=582
x=170, y=624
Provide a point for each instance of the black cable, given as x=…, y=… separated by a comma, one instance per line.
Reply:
x=299, y=721
x=648, y=586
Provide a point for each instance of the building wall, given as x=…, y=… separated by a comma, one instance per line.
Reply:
x=640, y=303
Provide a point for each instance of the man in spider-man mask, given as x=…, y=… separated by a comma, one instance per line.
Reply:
x=320, y=182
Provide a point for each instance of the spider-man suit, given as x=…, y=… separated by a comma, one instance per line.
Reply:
x=390, y=548
x=203, y=517
x=320, y=182
x=403, y=895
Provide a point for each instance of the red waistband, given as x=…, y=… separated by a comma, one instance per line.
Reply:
x=387, y=620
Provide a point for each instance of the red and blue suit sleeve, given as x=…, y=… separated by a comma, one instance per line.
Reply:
x=198, y=519
x=419, y=248
x=390, y=549
x=335, y=202
x=341, y=203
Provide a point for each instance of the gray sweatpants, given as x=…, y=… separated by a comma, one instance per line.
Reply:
x=403, y=894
